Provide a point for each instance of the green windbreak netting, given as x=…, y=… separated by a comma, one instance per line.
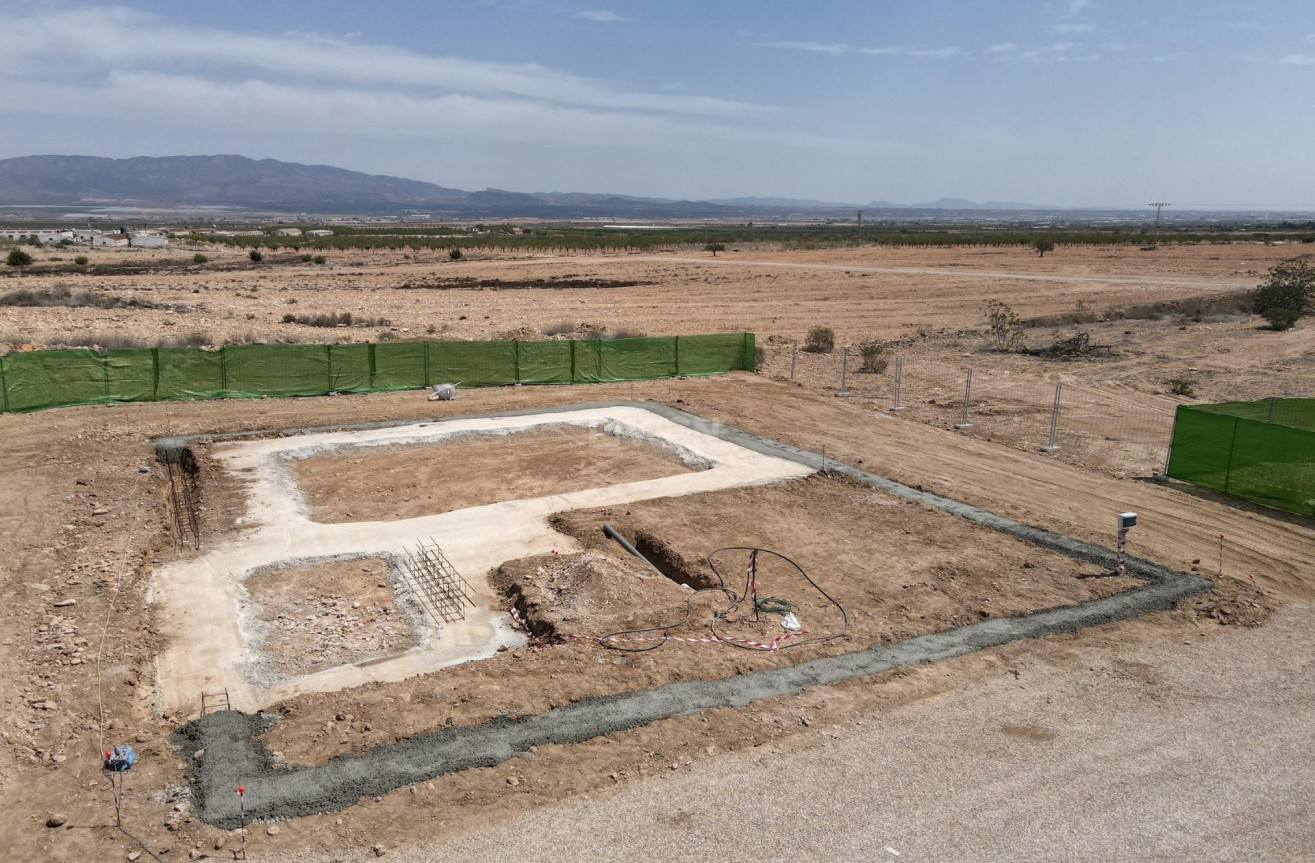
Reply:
x=399, y=366
x=472, y=364
x=349, y=368
x=544, y=362
x=190, y=373
x=1262, y=451
x=130, y=375
x=45, y=379
x=711, y=355
x=276, y=370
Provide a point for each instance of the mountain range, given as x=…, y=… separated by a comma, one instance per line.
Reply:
x=268, y=184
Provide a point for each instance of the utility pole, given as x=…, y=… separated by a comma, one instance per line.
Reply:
x=1159, y=208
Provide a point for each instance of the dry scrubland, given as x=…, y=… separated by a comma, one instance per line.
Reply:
x=85, y=528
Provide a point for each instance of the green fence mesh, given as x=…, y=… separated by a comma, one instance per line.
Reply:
x=1262, y=451
x=47, y=379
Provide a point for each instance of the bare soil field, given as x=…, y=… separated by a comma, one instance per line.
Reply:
x=408, y=481
x=930, y=289
x=85, y=528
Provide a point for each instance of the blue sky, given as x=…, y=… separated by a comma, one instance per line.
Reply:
x=1071, y=102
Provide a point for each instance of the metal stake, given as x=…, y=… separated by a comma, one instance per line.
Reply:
x=899, y=383
x=1054, y=421
x=967, y=394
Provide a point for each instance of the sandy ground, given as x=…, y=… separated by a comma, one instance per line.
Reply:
x=412, y=481
x=1144, y=755
x=70, y=464
x=928, y=289
x=81, y=523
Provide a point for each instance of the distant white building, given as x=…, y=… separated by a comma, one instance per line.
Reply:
x=111, y=240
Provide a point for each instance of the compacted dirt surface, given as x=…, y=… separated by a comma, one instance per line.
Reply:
x=316, y=617
x=84, y=527
x=367, y=484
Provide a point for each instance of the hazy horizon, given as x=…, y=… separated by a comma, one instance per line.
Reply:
x=1081, y=103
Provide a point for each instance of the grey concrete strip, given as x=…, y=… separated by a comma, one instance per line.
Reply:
x=234, y=756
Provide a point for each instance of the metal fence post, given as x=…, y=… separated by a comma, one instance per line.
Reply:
x=1054, y=421
x=967, y=394
x=794, y=355
x=899, y=383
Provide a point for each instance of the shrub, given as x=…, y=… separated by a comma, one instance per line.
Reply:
x=319, y=259
x=331, y=319
x=1282, y=319
x=199, y=258
x=558, y=329
x=873, y=361
x=455, y=254
x=821, y=340
x=1182, y=387
x=18, y=258
x=1290, y=287
x=81, y=260
x=255, y=256
x=1006, y=328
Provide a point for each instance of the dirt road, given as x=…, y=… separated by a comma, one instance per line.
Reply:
x=1172, y=754
x=1105, y=279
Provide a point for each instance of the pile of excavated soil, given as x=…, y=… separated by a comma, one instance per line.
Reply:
x=396, y=482
x=563, y=594
x=318, y=617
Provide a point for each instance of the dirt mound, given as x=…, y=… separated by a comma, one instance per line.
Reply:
x=585, y=594
x=1231, y=603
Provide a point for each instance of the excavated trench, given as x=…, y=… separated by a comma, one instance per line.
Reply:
x=234, y=754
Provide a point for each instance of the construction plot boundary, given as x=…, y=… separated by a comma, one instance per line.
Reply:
x=47, y=379
x=235, y=755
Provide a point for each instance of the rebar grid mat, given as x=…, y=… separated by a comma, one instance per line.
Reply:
x=436, y=583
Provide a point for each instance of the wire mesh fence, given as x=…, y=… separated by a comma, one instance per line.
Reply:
x=1100, y=423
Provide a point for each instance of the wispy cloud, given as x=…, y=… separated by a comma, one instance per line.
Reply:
x=838, y=48
x=126, y=66
x=602, y=16
x=93, y=40
x=935, y=53
x=816, y=47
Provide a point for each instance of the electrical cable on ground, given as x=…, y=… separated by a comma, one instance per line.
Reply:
x=771, y=605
